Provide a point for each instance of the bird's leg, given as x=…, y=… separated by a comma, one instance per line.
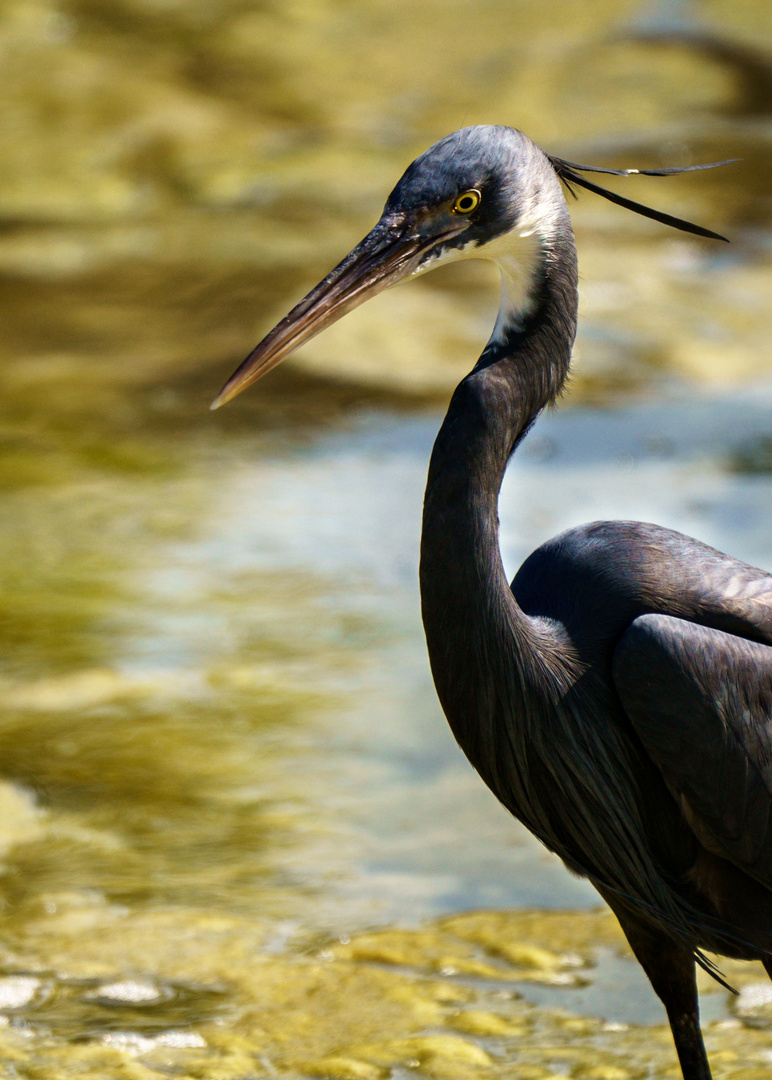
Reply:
x=671, y=971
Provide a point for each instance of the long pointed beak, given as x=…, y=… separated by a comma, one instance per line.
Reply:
x=388, y=254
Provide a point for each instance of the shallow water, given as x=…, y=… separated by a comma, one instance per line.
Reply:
x=223, y=750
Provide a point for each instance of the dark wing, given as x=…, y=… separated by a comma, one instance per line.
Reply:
x=701, y=702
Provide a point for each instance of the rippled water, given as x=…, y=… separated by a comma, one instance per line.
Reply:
x=234, y=748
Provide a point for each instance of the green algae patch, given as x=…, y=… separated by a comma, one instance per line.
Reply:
x=81, y=936
x=427, y=949
x=537, y=937
x=488, y=945
x=345, y=1068
x=601, y=1072
x=436, y=1055
x=202, y=996
x=538, y=946
x=486, y=1024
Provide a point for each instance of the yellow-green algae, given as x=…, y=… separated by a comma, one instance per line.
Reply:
x=324, y=1014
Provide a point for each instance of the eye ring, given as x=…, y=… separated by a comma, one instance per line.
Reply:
x=467, y=202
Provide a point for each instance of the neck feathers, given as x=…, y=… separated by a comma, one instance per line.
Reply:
x=469, y=612
x=528, y=355
x=522, y=369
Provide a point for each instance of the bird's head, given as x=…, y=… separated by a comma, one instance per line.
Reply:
x=483, y=192
x=478, y=187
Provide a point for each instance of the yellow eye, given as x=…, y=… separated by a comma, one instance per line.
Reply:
x=467, y=202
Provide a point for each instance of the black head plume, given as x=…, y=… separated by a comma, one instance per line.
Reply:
x=569, y=171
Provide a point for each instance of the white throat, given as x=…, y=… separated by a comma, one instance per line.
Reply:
x=518, y=255
x=520, y=266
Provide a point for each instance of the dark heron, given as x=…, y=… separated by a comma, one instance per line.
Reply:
x=617, y=696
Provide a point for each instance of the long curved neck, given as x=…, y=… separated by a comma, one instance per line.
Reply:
x=470, y=615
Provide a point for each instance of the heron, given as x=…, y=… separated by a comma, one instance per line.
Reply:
x=617, y=696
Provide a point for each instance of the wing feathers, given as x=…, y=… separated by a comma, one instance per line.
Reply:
x=701, y=701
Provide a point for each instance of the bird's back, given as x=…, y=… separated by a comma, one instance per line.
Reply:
x=595, y=579
x=606, y=588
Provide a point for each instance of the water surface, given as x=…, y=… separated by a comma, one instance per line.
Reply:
x=222, y=745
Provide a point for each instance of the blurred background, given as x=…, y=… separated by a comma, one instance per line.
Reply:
x=236, y=837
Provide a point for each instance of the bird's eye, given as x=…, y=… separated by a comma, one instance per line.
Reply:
x=467, y=202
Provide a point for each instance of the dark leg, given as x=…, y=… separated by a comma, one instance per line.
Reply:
x=670, y=968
